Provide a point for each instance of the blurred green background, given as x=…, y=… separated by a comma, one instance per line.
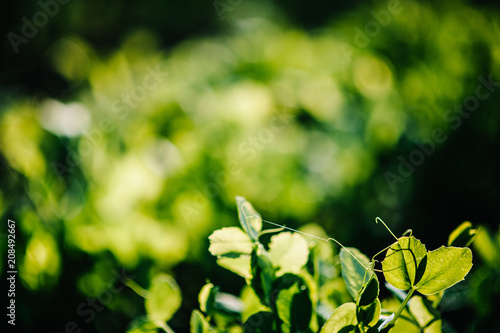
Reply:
x=127, y=128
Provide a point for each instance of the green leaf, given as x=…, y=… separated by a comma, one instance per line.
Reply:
x=164, y=298
x=229, y=241
x=401, y=262
x=369, y=293
x=288, y=252
x=262, y=272
x=463, y=235
x=343, y=318
x=294, y=306
x=250, y=219
x=425, y=315
x=260, y=322
x=142, y=325
x=239, y=265
x=369, y=314
x=198, y=323
x=446, y=266
x=354, y=274
x=206, y=297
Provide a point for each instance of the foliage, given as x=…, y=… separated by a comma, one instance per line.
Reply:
x=286, y=279
x=102, y=173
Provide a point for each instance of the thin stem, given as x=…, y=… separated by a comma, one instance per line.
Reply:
x=403, y=305
x=137, y=288
x=336, y=241
x=385, y=225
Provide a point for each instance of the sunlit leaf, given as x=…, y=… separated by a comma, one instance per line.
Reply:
x=401, y=262
x=343, y=318
x=250, y=219
x=354, y=274
x=445, y=267
x=230, y=240
x=288, y=252
x=239, y=265
x=164, y=298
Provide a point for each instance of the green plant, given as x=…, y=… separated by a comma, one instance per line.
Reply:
x=296, y=284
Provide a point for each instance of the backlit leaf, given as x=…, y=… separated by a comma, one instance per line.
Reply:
x=425, y=314
x=228, y=241
x=445, y=267
x=354, y=274
x=401, y=262
x=250, y=219
x=288, y=252
x=239, y=265
x=343, y=318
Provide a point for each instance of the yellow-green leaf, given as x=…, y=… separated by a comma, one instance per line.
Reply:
x=198, y=323
x=445, y=267
x=164, y=298
x=229, y=241
x=463, y=235
x=425, y=314
x=288, y=253
x=401, y=262
x=250, y=219
x=239, y=265
x=354, y=274
x=343, y=318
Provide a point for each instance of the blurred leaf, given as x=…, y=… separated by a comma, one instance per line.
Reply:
x=164, y=298
x=354, y=274
x=463, y=235
x=227, y=241
x=250, y=219
x=228, y=303
x=198, y=323
x=401, y=262
x=445, y=267
x=426, y=316
x=260, y=322
x=401, y=295
x=206, y=297
x=288, y=252
x=142, y=325
x=488, y=248
x=343, y=319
